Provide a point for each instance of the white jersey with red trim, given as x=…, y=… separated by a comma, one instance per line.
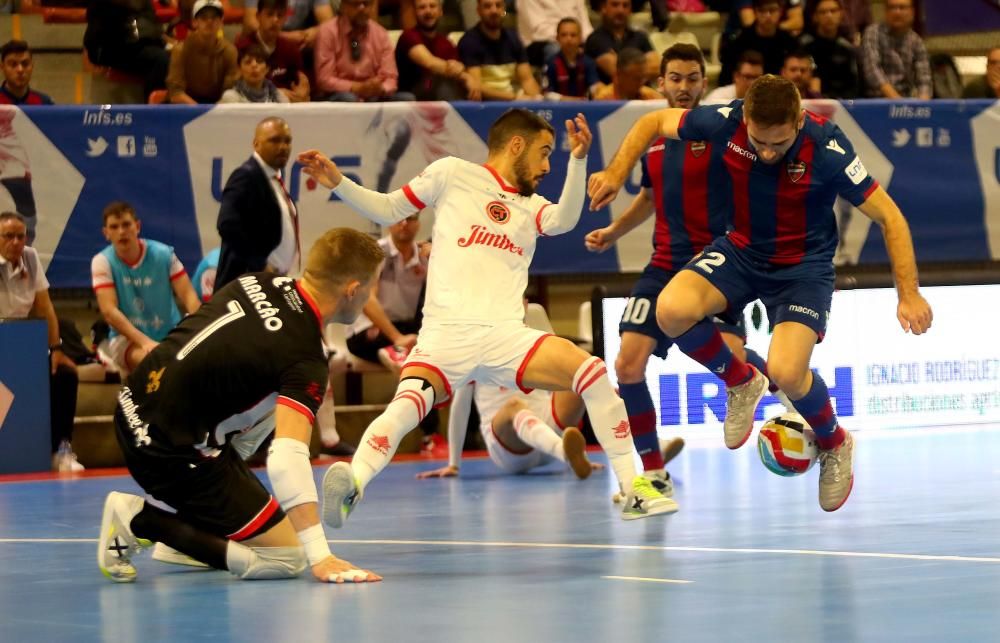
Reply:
x=483, y=241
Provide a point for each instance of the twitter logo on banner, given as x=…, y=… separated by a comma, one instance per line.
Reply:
x=97, y=147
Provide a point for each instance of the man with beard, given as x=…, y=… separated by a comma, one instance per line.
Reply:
x=785, y=168
x=676, y=180
x=428, y=63
x=495, y=57
x=258, y=221
x=488, y=216
x=285, y=68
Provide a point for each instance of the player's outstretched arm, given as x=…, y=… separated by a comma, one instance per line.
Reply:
x=563, y=216
x=291, y=476
x=913, y=311
x=603, y=186
x=384, y=209
x=458, y=421
x=638, y=211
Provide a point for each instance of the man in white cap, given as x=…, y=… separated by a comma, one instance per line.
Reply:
x=204, y=65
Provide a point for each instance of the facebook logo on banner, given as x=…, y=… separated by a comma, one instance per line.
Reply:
x=705, y=392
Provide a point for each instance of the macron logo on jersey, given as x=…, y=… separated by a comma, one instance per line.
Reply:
x=742, y=152
x=725, y=111
x=834, y=147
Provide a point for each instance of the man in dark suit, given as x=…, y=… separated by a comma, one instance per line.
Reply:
x=258, y=221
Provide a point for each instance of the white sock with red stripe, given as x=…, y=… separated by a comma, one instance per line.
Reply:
x=538, y=434
x=413, y=401
x=608, y=417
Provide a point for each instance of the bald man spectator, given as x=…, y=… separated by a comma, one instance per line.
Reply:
x=893, y=56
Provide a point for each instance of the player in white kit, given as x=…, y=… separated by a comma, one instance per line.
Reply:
x=521, y=431
x=487, y=220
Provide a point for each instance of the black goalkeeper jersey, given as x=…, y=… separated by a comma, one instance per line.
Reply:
x=259, y=335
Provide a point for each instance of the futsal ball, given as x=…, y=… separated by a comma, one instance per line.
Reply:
x=786, y=444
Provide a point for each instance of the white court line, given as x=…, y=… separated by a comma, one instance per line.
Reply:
x=605, y=546
x=649, y=580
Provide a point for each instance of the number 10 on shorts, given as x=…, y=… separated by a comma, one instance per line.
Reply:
x=636, y=311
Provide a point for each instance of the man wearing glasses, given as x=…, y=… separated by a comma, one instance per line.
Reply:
x=355, y=61
x=786, y=166
x=894, y=58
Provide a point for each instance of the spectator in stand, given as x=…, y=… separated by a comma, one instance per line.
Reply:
x=742, y=16
x=177, y=30
x=428, y=62
x=495, y=57
x=301, y=23
x=762, y=36
x=253, y=85
x=798, y=68
x=204, y=65
x=857, y=15
x=570, y=74
x=749, y=68
x=285, y=68
x=24, y=292
x=538, y=22
x=354, y=58
x=17, y=62
x=893, y=56
x=836, y=59
x=613, y=35
x=127, y=36
x=630, y=79
x=987, y=86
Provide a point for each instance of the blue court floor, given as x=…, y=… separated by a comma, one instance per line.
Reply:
x=913, y=556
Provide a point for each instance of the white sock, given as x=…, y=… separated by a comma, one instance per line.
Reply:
x=608, y=417
x=538, y=434
x=239, y=557
x=413, y=401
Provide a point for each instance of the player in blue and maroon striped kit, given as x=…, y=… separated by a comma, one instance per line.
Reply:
x=785, y=168
x=676, y=178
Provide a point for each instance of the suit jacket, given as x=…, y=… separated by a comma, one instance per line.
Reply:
x=249, y=223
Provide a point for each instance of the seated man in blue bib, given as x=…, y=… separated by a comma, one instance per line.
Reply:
x=136, y=281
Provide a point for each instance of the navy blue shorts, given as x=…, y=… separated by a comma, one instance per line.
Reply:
x=640, y=311
x=801, y=293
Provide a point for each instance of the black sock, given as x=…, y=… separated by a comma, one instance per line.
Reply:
x=153, y=523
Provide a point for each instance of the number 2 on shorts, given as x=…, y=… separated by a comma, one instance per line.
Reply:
x=710, y=261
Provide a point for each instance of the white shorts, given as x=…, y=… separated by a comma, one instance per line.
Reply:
x=114, y=351
x=509, y=461
x=460, y=353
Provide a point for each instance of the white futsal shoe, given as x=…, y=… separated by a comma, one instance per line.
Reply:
x=117, y=544
x=340, y=494
x=169, y=555
x=660, y=478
